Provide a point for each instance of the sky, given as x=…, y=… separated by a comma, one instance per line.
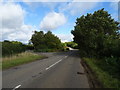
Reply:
x=19, y=19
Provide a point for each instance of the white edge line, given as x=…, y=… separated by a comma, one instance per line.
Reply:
x=53, y=64
x=17, y=87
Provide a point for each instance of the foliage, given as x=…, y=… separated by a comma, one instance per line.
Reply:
x=12, y=47
x=71, y=44
x=97, y=35
x=106, y=72
x=64, y=47
x=45, y=42
x=29, y=47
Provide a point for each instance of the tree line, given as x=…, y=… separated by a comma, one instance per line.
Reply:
x=12, y=47
x=39, y=42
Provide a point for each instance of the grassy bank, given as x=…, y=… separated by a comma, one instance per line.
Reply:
x=108, y=75
x=19, y=59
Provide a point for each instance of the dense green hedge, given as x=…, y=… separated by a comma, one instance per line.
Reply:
x=13, y=47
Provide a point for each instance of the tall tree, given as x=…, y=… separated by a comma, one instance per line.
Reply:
x=52, y=41
x=38, y=40
x=45, y=41
x=92, y=32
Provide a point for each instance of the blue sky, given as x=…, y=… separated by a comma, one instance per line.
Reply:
x=20, y=19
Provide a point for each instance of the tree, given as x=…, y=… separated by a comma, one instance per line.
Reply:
x=52, y=41
x=38, y=40
x=93, y=32
x=71, y=44
x=45, y=41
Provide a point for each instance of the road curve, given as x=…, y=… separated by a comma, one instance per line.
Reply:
x=60, y=70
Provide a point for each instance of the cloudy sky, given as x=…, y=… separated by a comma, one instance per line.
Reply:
x=20, y=19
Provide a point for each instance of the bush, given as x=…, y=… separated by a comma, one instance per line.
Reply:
x=13, y=47
x=29, y=47
x=46, y=50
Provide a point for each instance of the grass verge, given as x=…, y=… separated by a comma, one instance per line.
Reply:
x=103, y=76
x=19, y=59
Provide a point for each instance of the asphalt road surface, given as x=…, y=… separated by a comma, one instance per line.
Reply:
x=59, y=70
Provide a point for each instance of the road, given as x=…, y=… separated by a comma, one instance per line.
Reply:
x=59, y=70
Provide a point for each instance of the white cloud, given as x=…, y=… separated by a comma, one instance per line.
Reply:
x=13, y=27
x=66, y=0
x=1, y=0
x=21, y=35
x=12, y=15
x=45, y=0
x=75, y=8
x=95, y=0
x=65, y=37
x=60, y=0
x=114, y=6
x=52, y=21
x=34, y=5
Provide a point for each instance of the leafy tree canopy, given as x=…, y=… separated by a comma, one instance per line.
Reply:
x=45, y=41
x=71, y=44
x=97, y=34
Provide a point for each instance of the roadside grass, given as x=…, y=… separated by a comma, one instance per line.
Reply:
x=19, y=59
x=108, y=80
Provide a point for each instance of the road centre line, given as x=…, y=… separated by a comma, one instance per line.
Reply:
x=16, y=87
x=66, y=56
x=55, y=63
x=46, y=69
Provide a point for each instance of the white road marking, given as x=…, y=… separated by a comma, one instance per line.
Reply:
x=17, y=87
x=54, y=64
x=66, y=56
